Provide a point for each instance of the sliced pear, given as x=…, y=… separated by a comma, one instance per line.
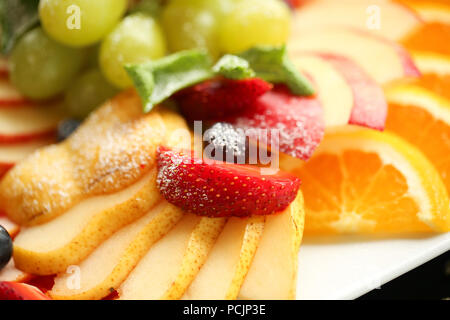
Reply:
x=382, y=59
x=223, y=273
x=273, y=273
x=201, y=241
x=172, y=263
x=112, y=150
x=50, y=248
x=157, y=270
x=109, y=265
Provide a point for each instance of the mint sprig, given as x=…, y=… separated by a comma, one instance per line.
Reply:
x=157, y=80
x=272, y=64
x=16, y=17
x=233, y=67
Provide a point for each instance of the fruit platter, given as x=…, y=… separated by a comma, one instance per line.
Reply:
x=221, y=149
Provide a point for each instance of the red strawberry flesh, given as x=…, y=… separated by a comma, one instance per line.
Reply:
x=298, y=121
x=220, y=97
x=218, y=189
x=20, y=291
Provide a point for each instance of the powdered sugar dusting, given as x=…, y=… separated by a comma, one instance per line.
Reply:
x=110, y=151
x=299, y=121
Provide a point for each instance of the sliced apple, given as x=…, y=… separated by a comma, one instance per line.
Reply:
x=28, y=123
x=369, y=104
x=383, y=17
x=333, y=90
x=230, y=258
x=10, y=227
x=11, y=273
x=383, y=60
x=157, y=270
x=109, y=265
x=9, y=95
x=13, y=153
x=66, y=240
x=10, y=154
x=347, y=93
x=4, y=168
x=273, y=272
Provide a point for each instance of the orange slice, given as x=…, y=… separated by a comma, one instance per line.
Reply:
x=422, y=118
x=435, y=70
x=364, y=181
x=430, y=10
x=430, y=37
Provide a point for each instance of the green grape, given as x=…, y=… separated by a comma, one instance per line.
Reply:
x=137, y=39
x=80, y=22
x=88, y=91
x=255, y=22
x=42, y=68
x=194, y=24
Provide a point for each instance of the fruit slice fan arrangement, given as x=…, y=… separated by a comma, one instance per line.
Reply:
x=124, y=203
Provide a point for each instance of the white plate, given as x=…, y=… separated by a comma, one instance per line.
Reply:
x=347, y=267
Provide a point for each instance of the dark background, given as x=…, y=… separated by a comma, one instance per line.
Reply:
x=429, y=281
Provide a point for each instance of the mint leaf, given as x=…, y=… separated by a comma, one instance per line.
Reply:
x=157, y=80
x=273, y=65
x=233, y=67
x=16, y=17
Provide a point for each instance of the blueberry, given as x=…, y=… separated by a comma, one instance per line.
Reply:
x=66, y=128
x=6, y=247
x=226, y=143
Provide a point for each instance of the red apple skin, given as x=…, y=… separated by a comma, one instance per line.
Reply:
x=10, y=97
x=20, y=138
x=411, y=70
x=4, y=71
x=4, y=168
x=409, y=67
x=13, y=103
x=369, y=106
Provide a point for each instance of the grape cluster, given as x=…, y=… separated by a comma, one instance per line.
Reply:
x=82, y=46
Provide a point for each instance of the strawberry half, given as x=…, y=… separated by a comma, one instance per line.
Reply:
x=219, y=97
x=20, y=291
x=218, y=189
x=297, y=121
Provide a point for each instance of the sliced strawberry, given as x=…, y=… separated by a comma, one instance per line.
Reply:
x=214, y=99
x=298, y=121
x=43, y=283
x=20, y=291
x=218, y=189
